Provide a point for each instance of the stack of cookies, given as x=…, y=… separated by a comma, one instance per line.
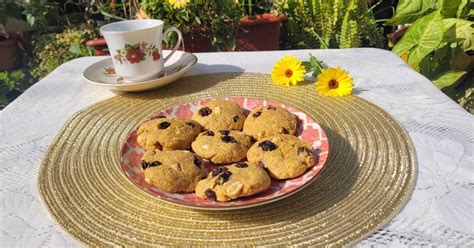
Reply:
x=245, y=152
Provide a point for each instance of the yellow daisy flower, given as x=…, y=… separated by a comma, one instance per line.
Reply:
x=334, y=82
x=178, y=4
x=288, y=71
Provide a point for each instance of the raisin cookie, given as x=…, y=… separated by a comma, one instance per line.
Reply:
x=167, y=134
x=284, y=156
x=220, y=115
x=173, y=171
x=233, y=181
x=222, y=147
x=268, y=121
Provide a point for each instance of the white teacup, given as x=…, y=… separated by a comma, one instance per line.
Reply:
x=136, y=47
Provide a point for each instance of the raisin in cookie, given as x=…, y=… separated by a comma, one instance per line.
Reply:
x=284, y=156
x=222, y=147
x=220, y=115
x=167, y=134
x=233, y=181
x=268, y=121
x=173, y=171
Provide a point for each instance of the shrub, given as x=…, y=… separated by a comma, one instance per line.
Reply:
x=329, y=24
x=217, y=19
x=51, y=50
x=439, y=44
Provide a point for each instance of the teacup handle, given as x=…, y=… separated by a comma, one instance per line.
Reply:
x=180, y=37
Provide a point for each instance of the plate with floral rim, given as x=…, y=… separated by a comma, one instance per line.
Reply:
x=308, y=130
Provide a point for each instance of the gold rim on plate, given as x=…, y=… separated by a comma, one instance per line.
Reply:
x=369, y=175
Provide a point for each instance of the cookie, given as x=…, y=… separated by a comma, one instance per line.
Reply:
x=233, y=181
x=269, y=121
x=173, y=171
x=222, y=147
x=284, y=156
x=220, y=115
x=167, y=134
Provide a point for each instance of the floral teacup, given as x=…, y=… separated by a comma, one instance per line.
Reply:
x=136, y=47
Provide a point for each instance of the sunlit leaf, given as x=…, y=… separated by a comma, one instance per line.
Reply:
x=449, y=8
x=463, y=9
x=75, y=49
x=3, y=75
x=421, y=38
x=448, y=78
x=408, y=11
x=436, y=63
x=459, y=30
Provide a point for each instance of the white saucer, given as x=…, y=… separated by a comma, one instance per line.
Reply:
x=102, y=73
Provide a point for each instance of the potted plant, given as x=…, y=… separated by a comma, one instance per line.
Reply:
x=206, y=25
x=259, y=29
x=102, y=12
x=8, y=40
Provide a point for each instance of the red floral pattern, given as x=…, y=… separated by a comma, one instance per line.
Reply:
x=136, y=53
x=134, y=56
x=156, y=55
x=309, y=131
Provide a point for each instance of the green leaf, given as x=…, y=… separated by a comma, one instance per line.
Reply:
x=3, y=75
x=410, y=10
x=459, y=30
x=3, y=100
x=10, y=84
x=30, y=19
x=316, y=64
x=75, y=49
x=462, y=10
x=421, y=38
x=436, y=63
x=448, y=78
x=449, y=8
x=17, y=75
x=307, y=65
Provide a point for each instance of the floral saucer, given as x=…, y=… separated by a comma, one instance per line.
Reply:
x=308, y=130
x=103, y=73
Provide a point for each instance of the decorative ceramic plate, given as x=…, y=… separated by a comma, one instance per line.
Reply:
x=308, y=130
x=102, y=73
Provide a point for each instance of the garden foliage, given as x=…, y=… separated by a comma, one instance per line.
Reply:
x=329, y=24
x=53, y=49
x=216, y=19
x=439, y=42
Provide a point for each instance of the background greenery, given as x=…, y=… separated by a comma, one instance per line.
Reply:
x=329, y=24
x=439, y=44
x=215, y=19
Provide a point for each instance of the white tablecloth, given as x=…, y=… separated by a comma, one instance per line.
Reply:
x=440, y=211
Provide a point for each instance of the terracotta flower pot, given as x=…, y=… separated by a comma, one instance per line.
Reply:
x=259, y=33
x=255, y=33
x=9, y=53
x=99, y=46
x=196, y=42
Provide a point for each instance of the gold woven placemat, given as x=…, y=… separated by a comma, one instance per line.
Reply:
x=369, y=175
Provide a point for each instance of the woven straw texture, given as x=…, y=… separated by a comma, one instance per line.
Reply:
x=369, y=175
